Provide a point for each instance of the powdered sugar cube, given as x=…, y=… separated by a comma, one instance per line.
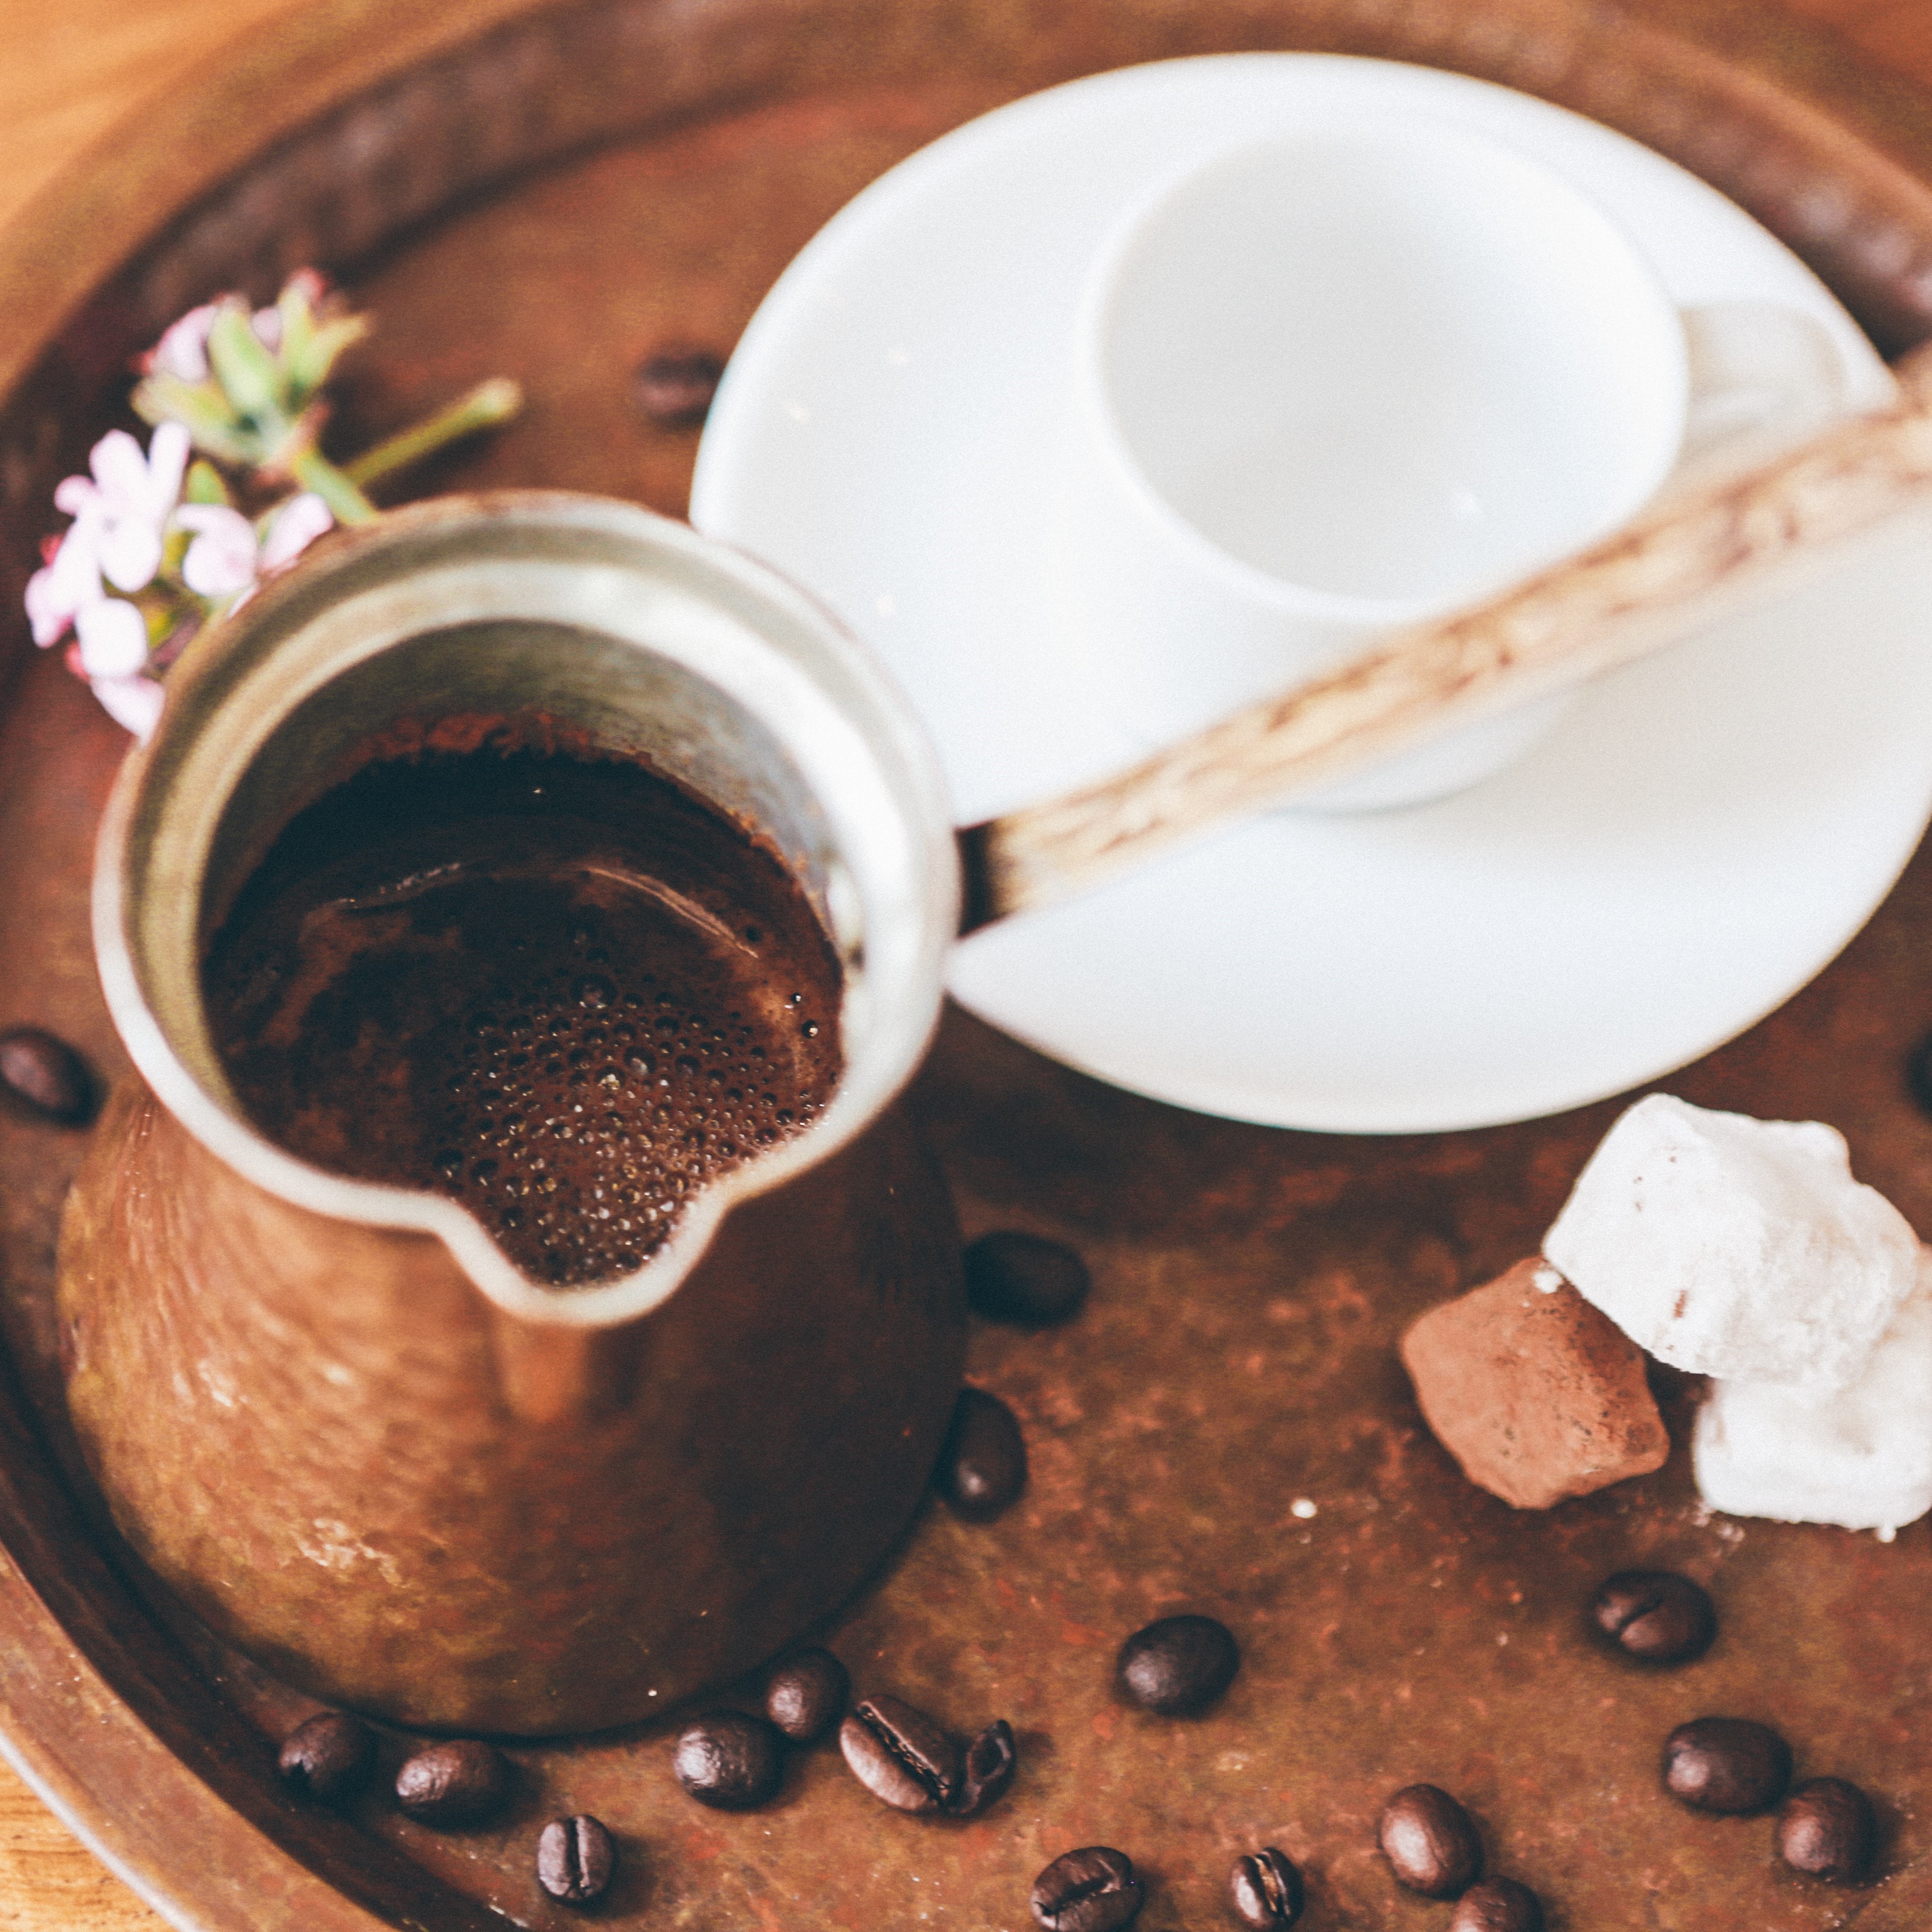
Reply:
x=1861, y=1456
x=1735, y=1247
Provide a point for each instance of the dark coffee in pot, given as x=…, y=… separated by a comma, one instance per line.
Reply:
x=560, y=990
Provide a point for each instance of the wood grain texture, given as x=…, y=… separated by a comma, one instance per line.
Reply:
x=68, y=72
x=47, y=1880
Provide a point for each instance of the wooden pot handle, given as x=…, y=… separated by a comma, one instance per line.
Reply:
x=1699, y=555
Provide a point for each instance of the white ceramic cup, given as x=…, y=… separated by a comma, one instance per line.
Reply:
x=1363, y=373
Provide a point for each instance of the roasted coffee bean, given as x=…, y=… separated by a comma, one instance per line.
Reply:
x=1092, y=1890
x=1919, y=1073
x=1497, y=1905
x=674, y=387
x=1024, y=1278
x=990, y=1762
x=1726, y=1764
x=983, y=1466
x=1826, y=1829
x=575, y=1859
x=329, y=1757
x=461, y=1783
x=1179, y=1666
x=1266, y=1888
x=900, y=1755
x=1656, y=1615
x=1430, y=1844
x=46, y=1078
x=805, y=1696
x=728, y=1760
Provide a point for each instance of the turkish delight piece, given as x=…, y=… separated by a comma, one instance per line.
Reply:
x=1536, y=1394
x=1861, y=1456
x=1735, y=1247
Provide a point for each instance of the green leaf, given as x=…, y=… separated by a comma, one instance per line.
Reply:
x=297, y=325
x=346, y=504
x=201, y=409
x=204, y=484
x=308, y=372
x=246, y=372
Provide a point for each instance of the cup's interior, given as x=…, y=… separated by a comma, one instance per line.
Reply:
x=1396, y=363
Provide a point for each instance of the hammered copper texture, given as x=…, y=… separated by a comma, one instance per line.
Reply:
x=1236, y=1358
x=303, y=1426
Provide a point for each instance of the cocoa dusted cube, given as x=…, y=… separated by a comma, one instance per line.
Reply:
x=1536, y=1393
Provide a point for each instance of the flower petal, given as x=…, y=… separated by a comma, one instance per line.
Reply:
x=70, y=578
x=47, y=611
x=77, y=495
x=132, y=703
x=182, y=351
x=168, y=450
x=113, y=638
x=222, y=558
x=131, y=553
x=120, y=467
x=293, y=527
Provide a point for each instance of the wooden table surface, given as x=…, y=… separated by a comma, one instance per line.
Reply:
x=68, y=72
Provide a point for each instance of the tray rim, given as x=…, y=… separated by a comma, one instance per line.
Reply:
x=65, y=1727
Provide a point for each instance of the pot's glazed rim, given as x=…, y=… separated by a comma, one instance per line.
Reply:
x=889, y=896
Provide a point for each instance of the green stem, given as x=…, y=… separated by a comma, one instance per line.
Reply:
x=347, y=505
x=484, y=407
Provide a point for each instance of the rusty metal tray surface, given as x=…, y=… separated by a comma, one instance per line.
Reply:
x=553, y=192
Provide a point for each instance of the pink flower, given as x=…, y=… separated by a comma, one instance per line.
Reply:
x=182, y=351
x=128, y=500
x=133, y=702
x=222, y=559
x=294, y=526
x=229, y=557
x=68, y=582
x=113, y=638
x=110, y=649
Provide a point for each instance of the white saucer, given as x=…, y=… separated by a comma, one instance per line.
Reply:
x=1688, y=847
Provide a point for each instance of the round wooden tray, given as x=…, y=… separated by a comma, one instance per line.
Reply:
x=553, y=192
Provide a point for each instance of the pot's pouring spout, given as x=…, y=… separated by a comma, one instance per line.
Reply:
x=549, y=1376
x=1700, y=554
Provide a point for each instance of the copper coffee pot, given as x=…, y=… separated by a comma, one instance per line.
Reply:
x=329, y=1414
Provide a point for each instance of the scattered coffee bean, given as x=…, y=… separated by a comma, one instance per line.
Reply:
x=1826, y=1829
x=461, y=1783
x=900, y=1755
x=674, y=387
x=1726, y=1764
x=1025, y=1279
x=1092, y=1890
x=1497, y=1905
x=805, y=1696
x=983, y=1466
x=990, y=1760
x=1919, y=1073
x=1429, y=1842
x=728, y=1760
x=329, y=1757
x=575, y=1859
x=1266, y=1887
x=47, y=1077
x=1656, y=1615
x=1179, y=1666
